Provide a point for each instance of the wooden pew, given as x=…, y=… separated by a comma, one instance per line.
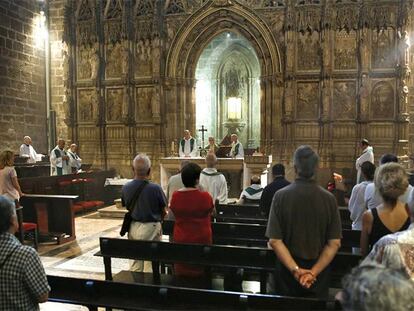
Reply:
x=95, y=293
x=51, y=184
x=53, y=215
x=259, y=260
x=253, y=234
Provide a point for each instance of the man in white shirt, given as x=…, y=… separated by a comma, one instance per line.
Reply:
x=253, y=193
x=357, y=205
x=213, y=181
x=75, y=161
x=27, y=150
x=174, y=183
x=59, y=160
x=236, y=147
x=188, y=146
x=367, y=155
x=372, y=198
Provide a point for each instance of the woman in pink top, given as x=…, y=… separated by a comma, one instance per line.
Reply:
x=9, y=185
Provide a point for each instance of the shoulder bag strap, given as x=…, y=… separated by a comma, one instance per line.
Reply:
x=136, y=196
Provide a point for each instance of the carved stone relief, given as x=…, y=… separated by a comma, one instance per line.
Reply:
x=308, y=50
x=83, y=63
x=383, y=54
x=307, y=100
x=345, y=50
x=87, y=105
x=144, y=104
x=344, y=100
x=114, y=60
x=114, y=103
x=143, y=58
x=382, y=101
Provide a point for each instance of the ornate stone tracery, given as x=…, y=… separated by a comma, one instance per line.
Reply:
x=326, y=67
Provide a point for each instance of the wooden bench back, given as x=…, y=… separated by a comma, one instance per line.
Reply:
x=132, y=296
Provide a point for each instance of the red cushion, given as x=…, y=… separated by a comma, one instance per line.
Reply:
x=88, y=180
x=64, y=183
x=99, y=203
x=77, y=208
x=28, y=226
x=86, y=204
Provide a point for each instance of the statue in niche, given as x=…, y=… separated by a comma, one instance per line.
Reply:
x=66, y=66
x=404, y=49
x=155, y=103
x=114, y=60
x=125, y=59
x=344, y=99
x=382, y=101
x=87, y=105
x=84, y=66
x=94, y=64
x=67, y=106
x=308, y=98
x=144, y=57
x=382, y=58
x=114, y=106
x=144, y=103
x=156, y=55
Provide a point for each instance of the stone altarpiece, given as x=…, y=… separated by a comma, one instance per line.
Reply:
x=332, y=72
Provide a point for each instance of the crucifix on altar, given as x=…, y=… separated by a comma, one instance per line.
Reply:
x=202, y=130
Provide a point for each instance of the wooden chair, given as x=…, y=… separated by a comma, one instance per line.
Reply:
x=26, y=228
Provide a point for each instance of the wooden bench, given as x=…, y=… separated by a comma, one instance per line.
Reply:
x=94, y=294
x=253, y=234
x=258, y=261
x=239, y=210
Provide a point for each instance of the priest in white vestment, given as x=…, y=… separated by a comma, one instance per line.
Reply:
x=253, y=193
x=236, y=148
x=188, y=146
x=75, y=161
x=27, y=150
x=367, y=155
x=59, y=160
x=213, y=181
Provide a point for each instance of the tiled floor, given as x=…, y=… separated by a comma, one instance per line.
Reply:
x=76, y=259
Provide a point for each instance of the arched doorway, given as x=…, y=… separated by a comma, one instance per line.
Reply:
x=211, y=21
x=228, y=89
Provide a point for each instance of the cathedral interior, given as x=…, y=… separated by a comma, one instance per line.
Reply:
x=119, y=77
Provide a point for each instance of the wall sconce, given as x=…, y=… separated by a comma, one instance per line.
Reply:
x=234, y=108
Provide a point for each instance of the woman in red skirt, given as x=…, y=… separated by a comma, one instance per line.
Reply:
x=192, y=209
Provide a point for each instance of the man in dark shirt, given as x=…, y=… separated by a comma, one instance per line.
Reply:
x=148, y=211
x=304, y=230
x=279, y=182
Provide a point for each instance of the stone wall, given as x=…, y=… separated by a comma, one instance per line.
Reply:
x=57, y=48
x=22, y=76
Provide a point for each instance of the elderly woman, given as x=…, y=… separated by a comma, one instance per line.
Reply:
x=391, y=216
x=375, y=287
x=9, y=185
x=192, y=209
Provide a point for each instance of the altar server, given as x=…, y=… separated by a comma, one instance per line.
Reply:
x=27, y=150
x=213, y=181
x=367, y=155
x=59, y=160
x=74, y=160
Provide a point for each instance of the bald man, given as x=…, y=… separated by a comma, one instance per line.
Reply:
x=27, y=150
x=236, y=147
x=147, y=209
x=188, y=146
x=213, y=181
